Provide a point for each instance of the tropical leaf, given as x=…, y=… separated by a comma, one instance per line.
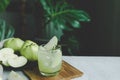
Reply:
x=6, y=31
x=4, y=4
x=60, y=14
x=63, y=15
x=45, y=6
x=75, y=24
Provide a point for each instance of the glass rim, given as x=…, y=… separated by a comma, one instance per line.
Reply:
x=56, y=48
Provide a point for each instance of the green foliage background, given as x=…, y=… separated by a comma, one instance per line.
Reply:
x=63, y=15
x=3, y=4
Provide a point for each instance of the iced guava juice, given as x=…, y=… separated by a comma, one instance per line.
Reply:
x=49, y=61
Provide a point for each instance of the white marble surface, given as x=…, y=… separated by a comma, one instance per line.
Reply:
x=94, y=68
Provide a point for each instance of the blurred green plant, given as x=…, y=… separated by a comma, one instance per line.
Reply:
x=6, y=31
x=62, y=14
x=4, y=4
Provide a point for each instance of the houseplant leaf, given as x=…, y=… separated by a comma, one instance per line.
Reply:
x=6, y=30
x=4, y=4
x=61, y=15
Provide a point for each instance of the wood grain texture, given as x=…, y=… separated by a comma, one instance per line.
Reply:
x=67, y=72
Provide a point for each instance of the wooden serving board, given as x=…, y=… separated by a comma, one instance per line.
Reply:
x=67, y=73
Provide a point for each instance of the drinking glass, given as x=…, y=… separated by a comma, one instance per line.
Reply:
x=49, y=61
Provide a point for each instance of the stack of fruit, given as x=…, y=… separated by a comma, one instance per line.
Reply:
x=27, y=49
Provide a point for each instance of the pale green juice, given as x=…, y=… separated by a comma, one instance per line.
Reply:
x=49, y=61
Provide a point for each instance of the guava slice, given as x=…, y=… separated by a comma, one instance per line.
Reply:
x=1, y=72
x=6, y=50
x=7, y=57
x=15, y=76
x=17, y=61
x=52, y=43
x=5, y=54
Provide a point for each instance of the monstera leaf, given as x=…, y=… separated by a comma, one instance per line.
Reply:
x=63, y=15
